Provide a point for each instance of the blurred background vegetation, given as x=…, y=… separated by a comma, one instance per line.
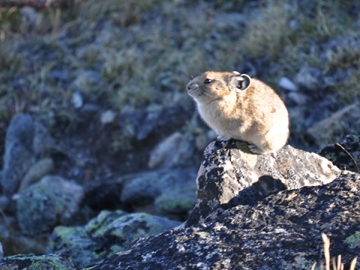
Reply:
x=58, y=56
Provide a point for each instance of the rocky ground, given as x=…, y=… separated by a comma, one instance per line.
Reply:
x=101, y=144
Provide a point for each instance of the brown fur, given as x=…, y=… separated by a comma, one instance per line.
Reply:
x=256, y=115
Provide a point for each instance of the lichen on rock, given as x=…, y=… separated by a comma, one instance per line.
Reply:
x=43, y=205
x=105, y=235
x=229, y=174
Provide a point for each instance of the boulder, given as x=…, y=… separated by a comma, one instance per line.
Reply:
x=311, y=78
x=52, y=201
x=229, y=173
x=37, y=171
x=257, y=212
x=281, y=232
x=19, y=152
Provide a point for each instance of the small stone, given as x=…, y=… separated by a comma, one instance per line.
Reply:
x=178, y=200
x=42, y=206
x=288, y=84
x=310, y=78
x=107, y=117
x=298, y=98
x=170, y=152
x=29, y=15
x=36, y=172
x=77, y=100
x=29, y=261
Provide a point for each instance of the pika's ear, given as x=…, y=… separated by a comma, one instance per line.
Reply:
x=242, y=82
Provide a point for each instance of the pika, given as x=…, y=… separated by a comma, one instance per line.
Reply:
x=236, y=106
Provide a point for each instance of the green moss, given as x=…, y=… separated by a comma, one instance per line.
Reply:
x=63, y=231
x=203, y=234
x=354, y=240
x=116, y=249
x=50, y=264
x=303, y=263
x=99, y=225
x=32, y=262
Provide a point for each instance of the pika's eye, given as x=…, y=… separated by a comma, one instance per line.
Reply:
x=207, y=81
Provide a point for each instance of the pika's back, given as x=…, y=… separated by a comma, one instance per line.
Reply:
x=237, y=106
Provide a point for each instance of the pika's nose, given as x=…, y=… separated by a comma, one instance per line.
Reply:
x=190, y=86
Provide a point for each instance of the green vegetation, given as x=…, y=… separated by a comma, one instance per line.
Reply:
x=354, y=240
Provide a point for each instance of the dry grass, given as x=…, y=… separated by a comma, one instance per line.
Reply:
x=124, y=13
x=9, y=59
x=332, y=263
x=268, y=31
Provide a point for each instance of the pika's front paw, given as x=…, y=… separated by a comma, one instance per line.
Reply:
x=254, y=149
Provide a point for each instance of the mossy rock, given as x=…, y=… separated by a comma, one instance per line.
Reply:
x=32, y=262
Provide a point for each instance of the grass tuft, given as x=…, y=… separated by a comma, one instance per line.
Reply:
x=335, y=263
x=268, y=31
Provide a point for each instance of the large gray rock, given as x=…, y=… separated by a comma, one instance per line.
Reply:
x=247, y=218
x=48, y=203
x=19, y=153
x=281, y=232
x=229, y=173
